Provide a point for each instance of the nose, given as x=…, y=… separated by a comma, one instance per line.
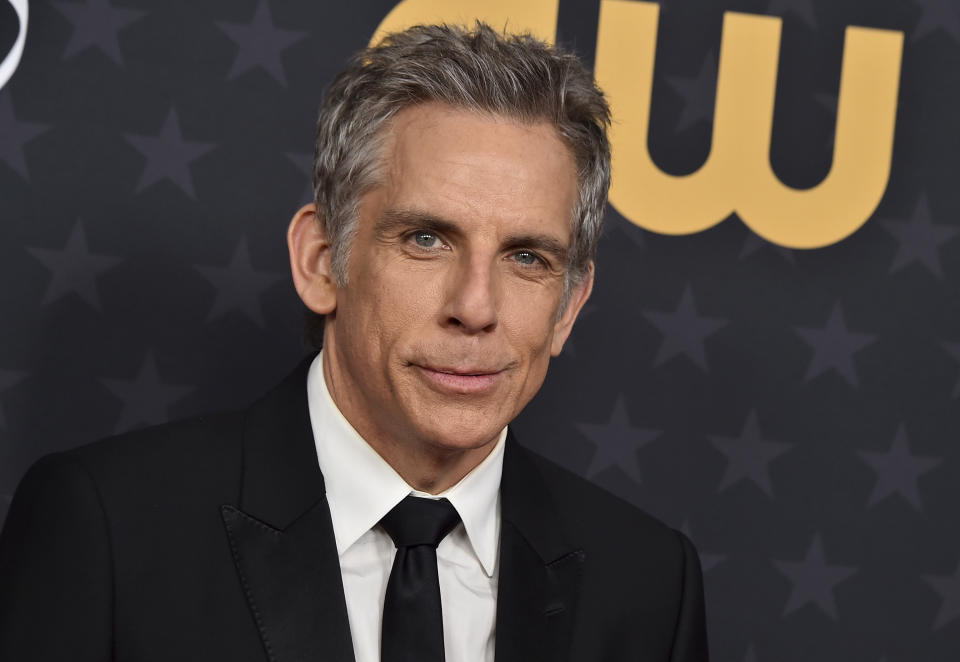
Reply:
x=472, y=298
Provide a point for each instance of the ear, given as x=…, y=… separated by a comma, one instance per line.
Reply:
x=564, y=325
x=310, y=261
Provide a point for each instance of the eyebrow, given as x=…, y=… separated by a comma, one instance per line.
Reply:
x=397, y=220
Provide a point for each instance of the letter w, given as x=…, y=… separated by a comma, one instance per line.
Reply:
x=737, y=176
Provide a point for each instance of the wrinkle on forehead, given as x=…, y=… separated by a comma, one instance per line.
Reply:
x=540, y=180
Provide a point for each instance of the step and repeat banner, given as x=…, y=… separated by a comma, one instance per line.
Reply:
x=771, y=357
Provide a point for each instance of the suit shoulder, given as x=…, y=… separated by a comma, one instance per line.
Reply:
x=185, y=458
x=596, y=514
x=174, y=442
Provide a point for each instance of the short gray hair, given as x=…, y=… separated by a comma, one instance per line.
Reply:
x=510, y=75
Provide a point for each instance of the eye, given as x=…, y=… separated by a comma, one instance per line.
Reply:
x=426, y=239
x=526, y=258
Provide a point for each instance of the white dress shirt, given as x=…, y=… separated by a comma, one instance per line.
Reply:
x=361, y=488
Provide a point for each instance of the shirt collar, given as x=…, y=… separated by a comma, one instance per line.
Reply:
x=362, y=487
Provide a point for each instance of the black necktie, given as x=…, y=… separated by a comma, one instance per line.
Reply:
x=412, y=617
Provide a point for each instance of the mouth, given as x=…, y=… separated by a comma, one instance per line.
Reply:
x=462, y=381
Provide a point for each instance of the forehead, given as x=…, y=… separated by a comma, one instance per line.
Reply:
x=464, y=164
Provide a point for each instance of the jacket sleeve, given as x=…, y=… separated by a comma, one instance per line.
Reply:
x=55, y=568
x=690, y=635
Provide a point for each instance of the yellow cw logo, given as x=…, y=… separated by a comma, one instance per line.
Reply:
x=737, y=176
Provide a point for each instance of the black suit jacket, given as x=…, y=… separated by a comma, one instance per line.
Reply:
x=211, y=540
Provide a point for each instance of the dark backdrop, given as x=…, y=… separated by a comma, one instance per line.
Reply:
x=796, y=412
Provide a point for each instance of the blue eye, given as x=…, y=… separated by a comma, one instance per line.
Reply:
x=526, y=258
x=425, y=239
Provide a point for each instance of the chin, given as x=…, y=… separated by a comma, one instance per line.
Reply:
x=455, y=422
x=463, y=438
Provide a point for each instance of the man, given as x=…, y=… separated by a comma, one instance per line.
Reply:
x=374, y=505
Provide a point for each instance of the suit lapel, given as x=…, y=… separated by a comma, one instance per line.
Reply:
x=539, y=570
x=283, y=546
x=281, y=536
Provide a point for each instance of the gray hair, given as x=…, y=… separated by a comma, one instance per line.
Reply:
x=515, y=76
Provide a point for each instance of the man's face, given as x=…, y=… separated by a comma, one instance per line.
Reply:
x=451, y=310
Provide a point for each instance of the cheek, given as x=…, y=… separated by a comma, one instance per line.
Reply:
x=530, y=325
x=396, y=307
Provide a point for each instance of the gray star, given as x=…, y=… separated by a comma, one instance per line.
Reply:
x=617, y=443
x=834, y=347
x=14, y=135
x=749, y=456
x=96, y=23
x=813, y=580
x=707, y=561
x=168, y=155
x=145, y=398
x=304, y=163
x=949, y=589
x=8, y=379
x=801, y=8
x=753, y=243
x=238, y=286
x=953, y=348
x=260, y=44
x=898, y=470
x=937, y=15
x=919, y=239
x=684, y=332
x=73, y=269
x=698, y=93
x=829, y=103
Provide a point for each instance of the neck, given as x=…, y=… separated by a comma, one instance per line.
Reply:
x=431, y=470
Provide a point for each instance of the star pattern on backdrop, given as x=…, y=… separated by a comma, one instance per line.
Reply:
x=813, y=580
x=828, y=102
x=617, y=443
x=14, y=135
x=749, y=455
x=708, y=561
x=948, y=588
x=684, y=331
x=953, y=349
x=833, y=347
x=304, y=164
x=898, y=470
x=73, y=269
x=754, y=243
x=238, y=286
x=146, y=398
x=802, y=9
x=937, y=16
x=168, y=155
x=260, y=44
x=919, y=239
x=698, y=93
x=96, y=23
x=81, y=85
x=8, y=379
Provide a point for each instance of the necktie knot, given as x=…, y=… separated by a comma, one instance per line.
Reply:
x=420, y=521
